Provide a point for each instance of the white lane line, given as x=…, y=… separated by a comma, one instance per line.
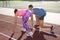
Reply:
x=33, y=28
x=51, y=33
x=7, y=36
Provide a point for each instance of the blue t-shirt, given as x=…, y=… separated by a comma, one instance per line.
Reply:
x=39, y=11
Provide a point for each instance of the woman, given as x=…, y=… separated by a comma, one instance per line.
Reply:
x=25, y=17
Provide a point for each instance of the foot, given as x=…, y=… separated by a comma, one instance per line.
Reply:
x=36, y=26
x=30, y=34
x=52, y=29
x=23, y=30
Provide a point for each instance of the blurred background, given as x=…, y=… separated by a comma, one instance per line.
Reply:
x=51, y=6
x=48, y=5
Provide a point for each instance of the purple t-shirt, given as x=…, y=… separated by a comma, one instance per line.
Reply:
x=28, y=13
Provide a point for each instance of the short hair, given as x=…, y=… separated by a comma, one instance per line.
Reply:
x=30, y=6
x=15, y=11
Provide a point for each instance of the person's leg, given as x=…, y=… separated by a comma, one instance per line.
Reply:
x=41, y=24
x=14, y=28
x=29, y=32
x=37, y=22
x=37, y=19
x=25, y=19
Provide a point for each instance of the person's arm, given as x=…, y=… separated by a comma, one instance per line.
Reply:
x=32, y=20
x=15, y=22
x=32, y=24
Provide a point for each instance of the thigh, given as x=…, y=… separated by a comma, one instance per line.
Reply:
x=25, y=19
x=37, y=18
x=41, y=23
x=42, y=17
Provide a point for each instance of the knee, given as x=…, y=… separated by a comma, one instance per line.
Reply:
x=41, y=26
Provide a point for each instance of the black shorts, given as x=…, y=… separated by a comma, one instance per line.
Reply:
x=42, y=17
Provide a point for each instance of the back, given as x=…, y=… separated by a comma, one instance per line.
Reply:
x=39, y=11
x=21, y=12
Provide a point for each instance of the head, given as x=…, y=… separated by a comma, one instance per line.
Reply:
x=15, y=11
x=30, y=7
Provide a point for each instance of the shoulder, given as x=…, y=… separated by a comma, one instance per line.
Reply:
x=29, y=11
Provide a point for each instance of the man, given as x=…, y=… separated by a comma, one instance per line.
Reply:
x=39, y=14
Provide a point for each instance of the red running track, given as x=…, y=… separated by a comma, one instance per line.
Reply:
x=6, y=27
